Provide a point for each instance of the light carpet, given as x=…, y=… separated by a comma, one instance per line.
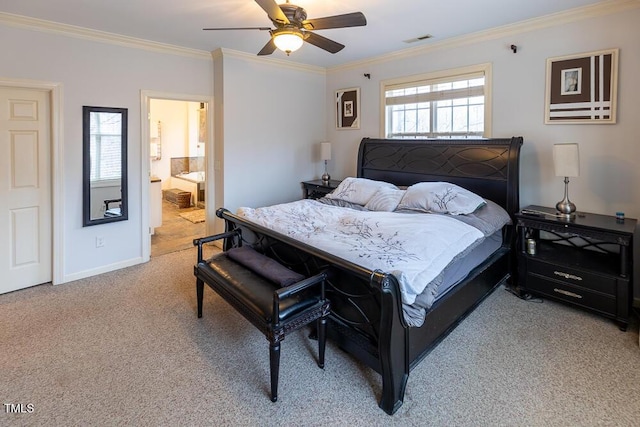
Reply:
x=126, y=348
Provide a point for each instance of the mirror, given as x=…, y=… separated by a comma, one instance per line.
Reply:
x=104, y=142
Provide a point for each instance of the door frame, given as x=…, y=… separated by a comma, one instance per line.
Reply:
x=57, y=168
x=145, y=106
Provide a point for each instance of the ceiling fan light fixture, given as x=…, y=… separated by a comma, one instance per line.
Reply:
x=288, y=40
x=293, y=29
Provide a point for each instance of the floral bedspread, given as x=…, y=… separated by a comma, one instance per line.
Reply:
x=415, y=248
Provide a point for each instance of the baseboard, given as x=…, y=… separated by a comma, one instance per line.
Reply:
x=101, y=270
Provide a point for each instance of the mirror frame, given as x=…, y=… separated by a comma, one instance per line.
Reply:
x=86, y=166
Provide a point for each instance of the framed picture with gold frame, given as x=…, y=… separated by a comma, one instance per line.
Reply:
x=202, y=123
x=348, y=108
x=582, y=88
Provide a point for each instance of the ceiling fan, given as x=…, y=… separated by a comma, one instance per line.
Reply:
x=293, y=28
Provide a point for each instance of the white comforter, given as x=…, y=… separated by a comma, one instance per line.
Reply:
x=415, y=248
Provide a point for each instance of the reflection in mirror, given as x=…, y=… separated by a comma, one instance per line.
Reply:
x=104, y=134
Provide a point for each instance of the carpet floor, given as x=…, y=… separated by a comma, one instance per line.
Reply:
x=126, y=348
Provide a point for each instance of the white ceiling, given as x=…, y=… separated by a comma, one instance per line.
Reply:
x=389, y=23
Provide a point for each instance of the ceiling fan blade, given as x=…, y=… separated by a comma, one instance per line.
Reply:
x=355, y=19
x=238, y=28
x=273, y=10
x=323, y=42
x=268, y=48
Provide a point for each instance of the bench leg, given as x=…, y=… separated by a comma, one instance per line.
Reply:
x=322, y=340
x=274, y=362
x=199, y=295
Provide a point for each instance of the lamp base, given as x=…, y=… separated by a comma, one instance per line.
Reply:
x=565, y=208
x=326, y=177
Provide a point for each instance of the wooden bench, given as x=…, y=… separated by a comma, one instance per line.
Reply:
x=274, y=310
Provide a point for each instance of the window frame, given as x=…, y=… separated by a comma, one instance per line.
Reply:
x=485, y=69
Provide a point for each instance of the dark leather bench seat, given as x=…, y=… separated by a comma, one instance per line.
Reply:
x=273, y=309
x=253, y=292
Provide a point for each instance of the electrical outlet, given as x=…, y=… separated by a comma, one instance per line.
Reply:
x=99, y=241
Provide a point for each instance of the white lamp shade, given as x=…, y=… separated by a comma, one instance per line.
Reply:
x=566, y=159
x=325, y=151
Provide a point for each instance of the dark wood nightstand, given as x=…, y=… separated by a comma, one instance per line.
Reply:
x=585, y=261
x=318, y=188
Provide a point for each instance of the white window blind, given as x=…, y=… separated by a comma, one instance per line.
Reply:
x=445, y=106
x=106, y=145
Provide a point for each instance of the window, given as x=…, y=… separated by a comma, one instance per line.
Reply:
x=449, y=104
x=105, y=134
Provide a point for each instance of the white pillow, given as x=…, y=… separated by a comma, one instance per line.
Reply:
x=440, y=197
x=385, y=200
x=358, y=190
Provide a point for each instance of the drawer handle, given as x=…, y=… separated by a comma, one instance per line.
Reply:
x=567, y=293
x=567, y=275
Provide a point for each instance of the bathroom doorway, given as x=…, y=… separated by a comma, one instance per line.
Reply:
x=178, y=141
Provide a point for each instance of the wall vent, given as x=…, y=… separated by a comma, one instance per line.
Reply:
x=417, y=39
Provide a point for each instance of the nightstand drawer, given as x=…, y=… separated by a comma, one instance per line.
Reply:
x=573, y=277
x=573, y=294
x=318, y=188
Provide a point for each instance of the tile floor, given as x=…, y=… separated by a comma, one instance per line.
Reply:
x=176, y=232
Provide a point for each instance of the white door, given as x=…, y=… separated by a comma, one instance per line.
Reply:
x=25, y=188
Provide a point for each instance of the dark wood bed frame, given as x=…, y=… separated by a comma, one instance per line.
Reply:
x=366, y=310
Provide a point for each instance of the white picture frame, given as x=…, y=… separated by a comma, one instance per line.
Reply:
x=582, y=88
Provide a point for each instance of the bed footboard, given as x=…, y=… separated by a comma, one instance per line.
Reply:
x=366, y=316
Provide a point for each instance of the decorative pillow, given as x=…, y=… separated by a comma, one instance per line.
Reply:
x=358, y=190
x=440, y=197
x=385, y=200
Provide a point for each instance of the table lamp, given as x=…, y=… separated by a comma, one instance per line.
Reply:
x=325, y=154
x=567, y=163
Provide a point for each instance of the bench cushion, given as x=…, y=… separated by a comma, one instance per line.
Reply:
x=264, y=266
x=249, y=288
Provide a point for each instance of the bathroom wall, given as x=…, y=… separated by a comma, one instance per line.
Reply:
x=186, y=164
x=178, y=137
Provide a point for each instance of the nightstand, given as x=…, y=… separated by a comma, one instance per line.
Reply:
x=585, y=261
x=318, y=188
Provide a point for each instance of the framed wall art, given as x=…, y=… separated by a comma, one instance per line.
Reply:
x=202, y=123
x=348, y=108
x=582, y=88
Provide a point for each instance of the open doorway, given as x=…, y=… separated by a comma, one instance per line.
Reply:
x=178, y=144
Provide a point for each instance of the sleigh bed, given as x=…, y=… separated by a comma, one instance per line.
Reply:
x=368, y=315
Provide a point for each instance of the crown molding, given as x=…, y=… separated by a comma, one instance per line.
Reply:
x=605, y=8
x=98, y=36
x=136, y=43
x=224, y=52
x=601, y=9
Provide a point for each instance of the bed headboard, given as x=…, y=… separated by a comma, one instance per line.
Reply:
x=488, y=167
